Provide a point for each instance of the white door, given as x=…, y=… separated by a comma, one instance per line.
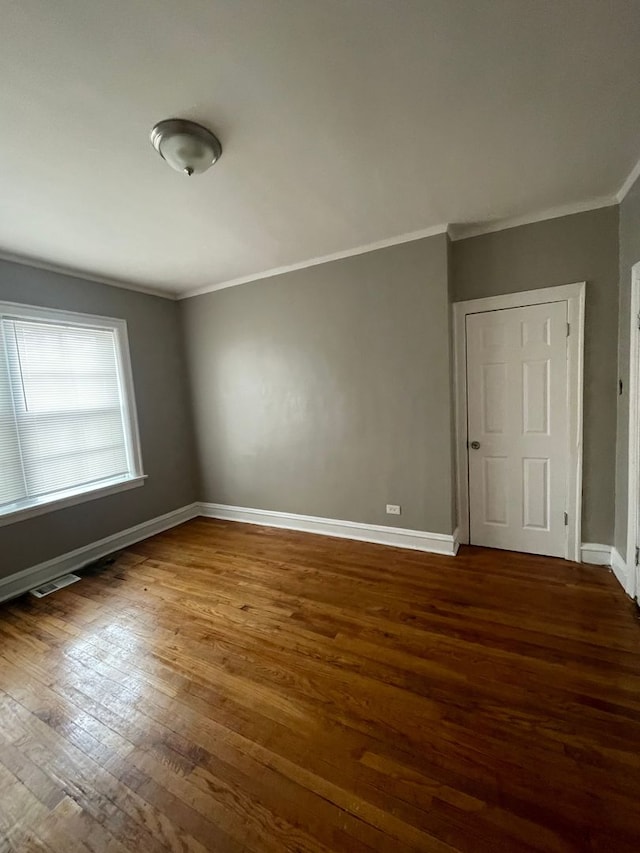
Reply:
x=518, y=428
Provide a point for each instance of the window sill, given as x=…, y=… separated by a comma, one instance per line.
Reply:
x=70, y=498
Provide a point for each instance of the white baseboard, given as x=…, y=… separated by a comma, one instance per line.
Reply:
x=595, y=554
x=400, y=537
x=25, y=580
x=456, y=541
x=620, y=569
x=607, y=555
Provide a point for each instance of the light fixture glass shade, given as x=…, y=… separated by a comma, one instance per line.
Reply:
x=186, y=146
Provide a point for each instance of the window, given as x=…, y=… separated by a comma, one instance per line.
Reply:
x=68, y=429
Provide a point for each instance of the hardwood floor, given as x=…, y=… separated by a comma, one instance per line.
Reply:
x=226, y=687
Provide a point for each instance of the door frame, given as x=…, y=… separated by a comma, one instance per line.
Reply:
x=574, y=296
x=633, y=502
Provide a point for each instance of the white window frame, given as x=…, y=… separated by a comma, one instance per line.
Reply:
x=574, y=296
x=136, y=477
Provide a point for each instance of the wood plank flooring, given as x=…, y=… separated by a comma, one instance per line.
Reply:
x=226, y=687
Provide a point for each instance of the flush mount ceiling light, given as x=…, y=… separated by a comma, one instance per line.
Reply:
x=186, y=146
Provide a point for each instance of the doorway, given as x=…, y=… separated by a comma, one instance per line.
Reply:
x=519, y=420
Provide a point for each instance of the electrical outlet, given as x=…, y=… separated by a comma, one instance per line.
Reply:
x=392, y=509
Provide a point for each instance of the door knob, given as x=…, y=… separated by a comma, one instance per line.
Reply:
x=475, y=445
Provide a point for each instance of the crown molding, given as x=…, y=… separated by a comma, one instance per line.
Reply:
x=461, y=231
x=632, y=177
x=321, y=259
x=456, y=231
x=35, y=263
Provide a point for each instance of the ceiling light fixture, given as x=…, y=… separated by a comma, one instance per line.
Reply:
x=186, y=146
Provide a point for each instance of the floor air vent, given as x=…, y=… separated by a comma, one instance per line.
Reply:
x=53, y=586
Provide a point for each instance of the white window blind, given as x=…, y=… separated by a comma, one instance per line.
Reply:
x=65, y=419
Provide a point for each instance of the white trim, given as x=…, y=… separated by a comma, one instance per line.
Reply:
x=621, y=570
x=37, y=264
x=540, y=296
x=595, y=554
x=456, y=231
x=630, y=180
x=633, y=506
x=59, y=315
x=135, y=476
x=400, y=537
x=123, y=354
x=461, y=231
x=436, y=543
x=456, y=541
x=606, y=555
x=25, y=580
x=79, y=496
x=574, y=295
x=322, y=259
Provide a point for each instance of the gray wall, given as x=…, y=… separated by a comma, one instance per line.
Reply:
x=629, y=255
x=326, y=391
x=163, y=411
x=581, y=247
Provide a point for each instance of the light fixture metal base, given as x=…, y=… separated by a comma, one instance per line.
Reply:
x=174, y=126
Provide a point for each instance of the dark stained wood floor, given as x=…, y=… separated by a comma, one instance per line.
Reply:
x=226, y=687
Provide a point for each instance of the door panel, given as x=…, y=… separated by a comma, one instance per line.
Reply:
x=535, y=396
x=535, y=487
x=495, y=476
x=517, y=411
x=494, y=379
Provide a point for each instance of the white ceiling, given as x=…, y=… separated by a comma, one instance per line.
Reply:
x=343, y=123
